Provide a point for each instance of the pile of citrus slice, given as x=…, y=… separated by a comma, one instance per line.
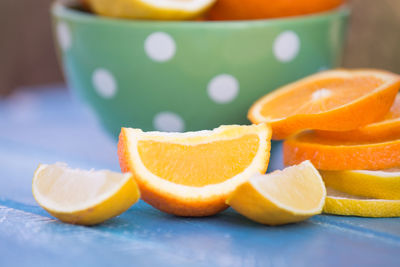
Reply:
x=344, y=123
x=185, y=174
x=347, y=123
x=201, y=173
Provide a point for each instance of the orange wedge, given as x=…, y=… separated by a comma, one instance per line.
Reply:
x=388, y=128
x=328, y=154
x=337, y=100
x=191, y=174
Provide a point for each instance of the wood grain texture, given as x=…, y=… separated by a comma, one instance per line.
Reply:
x=27, y=51
x=374, y=35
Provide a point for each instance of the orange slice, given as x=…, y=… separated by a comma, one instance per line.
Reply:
x=388, y=128
x=328, y=154
x=191, y=174
x=337, y=100
x=261, y=9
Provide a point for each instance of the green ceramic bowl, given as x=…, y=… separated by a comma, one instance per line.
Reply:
x=181, y=76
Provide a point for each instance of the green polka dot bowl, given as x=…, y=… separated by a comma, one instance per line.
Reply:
x=192, y=75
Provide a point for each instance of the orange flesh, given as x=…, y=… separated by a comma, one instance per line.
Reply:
x=394, y=112
x=260, y=9
x=304, y=99
x=329, y=154
x=386, y=129
x=199, y=165
x=312, y=137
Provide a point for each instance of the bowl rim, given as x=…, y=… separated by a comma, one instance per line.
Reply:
x=59, y=10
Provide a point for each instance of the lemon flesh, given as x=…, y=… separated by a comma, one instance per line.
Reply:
x=340, y=203
x=291, y=195
x=151, y=9
x=383, y=184
x=83, y=197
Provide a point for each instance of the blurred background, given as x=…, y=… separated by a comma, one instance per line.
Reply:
x=28, y=56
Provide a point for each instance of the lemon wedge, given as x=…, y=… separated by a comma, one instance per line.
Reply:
x=291, y=195
x=383, y=184
x=83, y=197
x=151, y=9
x=340, y=203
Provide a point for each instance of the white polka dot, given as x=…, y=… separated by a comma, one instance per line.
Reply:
x=64, y=36
x=168, y=122
x=286, y=46
x=223, y=88
x=104, y=83
x=160, y=46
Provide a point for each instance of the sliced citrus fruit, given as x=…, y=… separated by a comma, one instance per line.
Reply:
x=151, y=9
x=291, y=195
x=388, y=128
x=340, y=203
x=83, y=197
x=191, y=174
x=261, y=9
x=328, y=154
x=384, y=184
x=337, y=100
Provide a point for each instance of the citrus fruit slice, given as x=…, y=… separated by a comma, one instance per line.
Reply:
x=384, y=184
x=328, y=154
x=261, y=9
x=191, y=174
x=388, y=128
x=340, y=203
x=151, y=9
x=291, y=195
x=83, y=197
x=337, y=100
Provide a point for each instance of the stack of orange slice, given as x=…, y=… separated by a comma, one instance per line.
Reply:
x=343, y=121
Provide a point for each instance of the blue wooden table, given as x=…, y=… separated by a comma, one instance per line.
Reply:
x=46, y=125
